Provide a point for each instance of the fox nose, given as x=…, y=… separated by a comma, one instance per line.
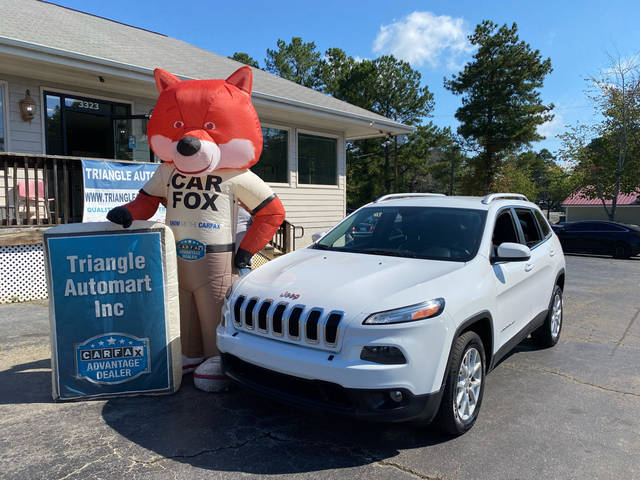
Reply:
x=188, y=146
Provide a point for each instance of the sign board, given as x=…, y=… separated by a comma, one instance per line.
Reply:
x=114, y=310
x=110, y=184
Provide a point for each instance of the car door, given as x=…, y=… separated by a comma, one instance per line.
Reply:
x=513, y=297
x=538, y=267
x=548, y=258
x=592, y=238
x=569, y=236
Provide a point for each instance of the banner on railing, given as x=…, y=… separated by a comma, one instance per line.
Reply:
x=109, y=184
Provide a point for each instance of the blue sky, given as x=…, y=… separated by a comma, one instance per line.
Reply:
x=577, y=36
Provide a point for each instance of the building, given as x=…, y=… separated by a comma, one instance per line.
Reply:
x=579, y=207
x=91, y=83
x=75, y=86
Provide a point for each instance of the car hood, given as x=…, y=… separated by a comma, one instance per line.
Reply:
x=351, y=282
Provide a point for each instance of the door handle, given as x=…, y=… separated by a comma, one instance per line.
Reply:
x=552, y=253
x=528, y=267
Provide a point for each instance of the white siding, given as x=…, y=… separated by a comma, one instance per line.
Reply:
x=316, y=208
x=24, y=137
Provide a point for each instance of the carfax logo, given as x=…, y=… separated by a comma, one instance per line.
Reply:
x=190, y=249
x=112, y=358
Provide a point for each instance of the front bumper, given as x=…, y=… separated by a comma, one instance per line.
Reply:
x=365, y=404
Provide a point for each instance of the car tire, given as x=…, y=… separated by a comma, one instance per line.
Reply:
x=622, y=250
x=548, y=334
x=463, y=385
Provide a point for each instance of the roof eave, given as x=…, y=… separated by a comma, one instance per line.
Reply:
x=135, y=72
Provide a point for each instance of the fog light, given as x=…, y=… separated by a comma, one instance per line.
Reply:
x=396, y=396
x=383, y=354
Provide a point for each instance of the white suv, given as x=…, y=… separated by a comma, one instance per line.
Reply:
x=400, y=310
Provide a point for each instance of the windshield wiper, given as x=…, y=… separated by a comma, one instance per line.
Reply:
x=318, y=246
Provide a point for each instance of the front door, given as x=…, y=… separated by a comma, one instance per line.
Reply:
x=513, y=298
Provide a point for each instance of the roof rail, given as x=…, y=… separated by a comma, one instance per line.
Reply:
x=392, y=196
x=503, y=196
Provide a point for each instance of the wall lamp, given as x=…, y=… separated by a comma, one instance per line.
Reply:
x=27, y=107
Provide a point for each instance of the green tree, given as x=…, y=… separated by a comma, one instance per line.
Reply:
x=387, y=86
x=245, y=58
x=511, y=178
x=334, y=69
x=597, y=170
x=296, y=61
x=431, y=162
x=606, y=155
x=558, y=186
x=501, y=105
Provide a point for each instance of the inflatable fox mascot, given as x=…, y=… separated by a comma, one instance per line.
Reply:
x=208, y=135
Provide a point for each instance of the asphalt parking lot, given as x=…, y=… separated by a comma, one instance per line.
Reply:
x=571, y=412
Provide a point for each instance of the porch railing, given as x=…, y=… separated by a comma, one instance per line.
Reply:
x=285, y=238
x=38, y=190
x=44, y=190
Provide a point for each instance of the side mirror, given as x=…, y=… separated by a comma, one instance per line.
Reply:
x=317, y=236
x=512, y=252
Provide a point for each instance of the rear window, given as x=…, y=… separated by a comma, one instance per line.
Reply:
x=529, y=228
x=542, y=222
x=452, y=234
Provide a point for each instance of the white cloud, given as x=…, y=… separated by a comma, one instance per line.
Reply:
x=551, y=128
x=423, y=37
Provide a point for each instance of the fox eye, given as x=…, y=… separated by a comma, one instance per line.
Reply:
x=178, y=124
x=209, y=125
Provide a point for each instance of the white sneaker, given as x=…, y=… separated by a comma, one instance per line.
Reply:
x=190, y=364
x=209, y=377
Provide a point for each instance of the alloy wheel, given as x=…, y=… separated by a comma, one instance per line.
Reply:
x=556, y=315
x=469, y=384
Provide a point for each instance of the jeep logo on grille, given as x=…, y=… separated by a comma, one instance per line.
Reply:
x=292, y=296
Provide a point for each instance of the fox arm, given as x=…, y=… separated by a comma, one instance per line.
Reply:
x=143, y=206
x=266, y=222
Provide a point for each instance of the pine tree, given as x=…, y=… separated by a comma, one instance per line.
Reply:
x=501, y=105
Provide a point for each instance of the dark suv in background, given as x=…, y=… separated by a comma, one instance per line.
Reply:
x=608, y=238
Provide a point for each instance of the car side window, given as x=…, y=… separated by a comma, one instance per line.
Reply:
x=542, y=222
x=575, y=227
x=529, y=228
x=607, y=227
x=504, y=231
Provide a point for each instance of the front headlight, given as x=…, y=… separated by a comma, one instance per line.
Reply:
x=419, y=311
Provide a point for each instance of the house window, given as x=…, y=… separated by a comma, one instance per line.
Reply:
x=3, y=144
x=273, y=165
x=86, y=127
x=317, y=160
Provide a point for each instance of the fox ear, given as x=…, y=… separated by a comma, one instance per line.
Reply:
x=164, y=79
x=242, y=78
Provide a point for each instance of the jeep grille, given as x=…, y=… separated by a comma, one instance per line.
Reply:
x=289, y=322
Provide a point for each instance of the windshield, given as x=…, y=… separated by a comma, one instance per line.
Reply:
x=451, y=234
